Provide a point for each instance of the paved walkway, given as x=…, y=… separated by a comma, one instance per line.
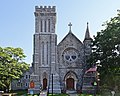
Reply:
x=43, y=93
x=72, y=93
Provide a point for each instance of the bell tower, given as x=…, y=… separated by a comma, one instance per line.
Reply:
x=45, y=39
x=45, y=46
x=45, y=19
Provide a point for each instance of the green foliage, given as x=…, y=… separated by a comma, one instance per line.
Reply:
x=12, y=65
x=106, y=49
x=19, y=92
x=87, y=95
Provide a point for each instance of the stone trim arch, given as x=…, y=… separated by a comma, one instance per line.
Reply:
x=44, y=81
x=68, y=48
x=72, y=76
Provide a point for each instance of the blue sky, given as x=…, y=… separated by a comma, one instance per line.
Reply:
x=17, y=19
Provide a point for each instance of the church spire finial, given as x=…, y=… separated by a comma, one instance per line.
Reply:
x=70, y=25
x=87, y=24
x=87, y=34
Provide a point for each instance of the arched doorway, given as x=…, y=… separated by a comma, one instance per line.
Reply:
x=70, y=81
x=70, y=84
x=44, y=84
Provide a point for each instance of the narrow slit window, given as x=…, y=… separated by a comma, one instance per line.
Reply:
x=47, y=52
x=48, y=25
x=45, y=26
x=41, y=25
x=42, y=53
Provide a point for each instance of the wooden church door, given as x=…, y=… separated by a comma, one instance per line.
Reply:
x=44, y=84
x=70, y=84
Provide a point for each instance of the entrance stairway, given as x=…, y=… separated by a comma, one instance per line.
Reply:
x=43, y=93
x=71, y=92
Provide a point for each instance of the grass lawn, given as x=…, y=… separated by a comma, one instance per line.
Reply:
x=86, y=95
x=59, y=94
x=108, y=93
x=20, y=92
x=23, y=93
x=69, y=95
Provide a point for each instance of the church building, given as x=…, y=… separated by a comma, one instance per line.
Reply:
x=57, y=67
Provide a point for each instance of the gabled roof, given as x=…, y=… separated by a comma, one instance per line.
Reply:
x=70, y=33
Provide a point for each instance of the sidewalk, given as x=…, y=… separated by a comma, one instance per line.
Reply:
x=72, y=93
x=43, y=93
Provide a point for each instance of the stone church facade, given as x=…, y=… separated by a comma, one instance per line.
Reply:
x=55, y=66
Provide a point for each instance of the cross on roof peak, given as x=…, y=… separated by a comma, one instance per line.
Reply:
x=70, y=25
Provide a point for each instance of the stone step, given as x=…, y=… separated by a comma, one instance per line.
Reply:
x=71, y=91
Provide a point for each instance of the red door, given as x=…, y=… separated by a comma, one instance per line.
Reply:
x=44, y=84
x=32, y=84
x=70, y=84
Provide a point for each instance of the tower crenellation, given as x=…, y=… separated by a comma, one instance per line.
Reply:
x=45, y=19
x=45, y=9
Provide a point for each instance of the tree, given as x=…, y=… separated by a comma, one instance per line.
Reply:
x=12, y=65
x=106, y=49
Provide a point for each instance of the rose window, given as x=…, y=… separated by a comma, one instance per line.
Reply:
x=70, y=55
